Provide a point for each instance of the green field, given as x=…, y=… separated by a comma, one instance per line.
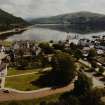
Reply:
x=23, y=82
x=13, y=71
x=6, y=43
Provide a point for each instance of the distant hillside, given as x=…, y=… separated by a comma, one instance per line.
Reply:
x=8, y=21
x=79, y=22
x=73, y=18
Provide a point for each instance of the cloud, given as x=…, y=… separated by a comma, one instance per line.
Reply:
x=42, y=8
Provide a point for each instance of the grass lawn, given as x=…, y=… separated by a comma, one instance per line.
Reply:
x=13, y=71
x=22, y=82
x=7, y=43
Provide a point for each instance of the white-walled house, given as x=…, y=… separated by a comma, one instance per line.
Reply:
x=84, y=42
x=3, y=70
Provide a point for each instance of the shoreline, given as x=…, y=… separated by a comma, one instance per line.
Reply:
x=4, y=35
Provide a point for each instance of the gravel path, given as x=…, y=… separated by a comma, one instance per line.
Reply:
x=12, y=95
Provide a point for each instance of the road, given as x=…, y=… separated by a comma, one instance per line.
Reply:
x=13, y=95
x=85, y=63
x=96, y=80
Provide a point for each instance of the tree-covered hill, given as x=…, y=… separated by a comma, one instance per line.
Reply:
x=8, y=21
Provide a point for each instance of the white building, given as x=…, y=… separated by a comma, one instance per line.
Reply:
x=2, y=49
x=3, y=70
x=84, y=42
x=38, y=51
x=99, y=51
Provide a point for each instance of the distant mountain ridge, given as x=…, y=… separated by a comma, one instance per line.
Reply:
x=80, y=22
x=78, y=17
x=8, y=21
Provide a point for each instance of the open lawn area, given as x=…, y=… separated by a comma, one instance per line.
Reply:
x=23, y=82
x=13, y=71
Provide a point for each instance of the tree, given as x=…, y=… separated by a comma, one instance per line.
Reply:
x=101, y=70
x=72, y=100
x=59, y=46
x=83, y=84
x=43, y=103
x=73, y=46
x=93, y=64
x=44, y=61
x=63, y=67
x=92, y=54
x=46, y=48
x=93, y=97
x=78, y=54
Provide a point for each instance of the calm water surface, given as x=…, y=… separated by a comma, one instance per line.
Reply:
x=43, y=34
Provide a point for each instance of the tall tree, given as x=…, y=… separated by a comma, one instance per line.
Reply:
x=78, y=54
x=92, y=54
x=83, y=84
x=63, y=67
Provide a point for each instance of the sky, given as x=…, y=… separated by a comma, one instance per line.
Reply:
x=45, y=8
